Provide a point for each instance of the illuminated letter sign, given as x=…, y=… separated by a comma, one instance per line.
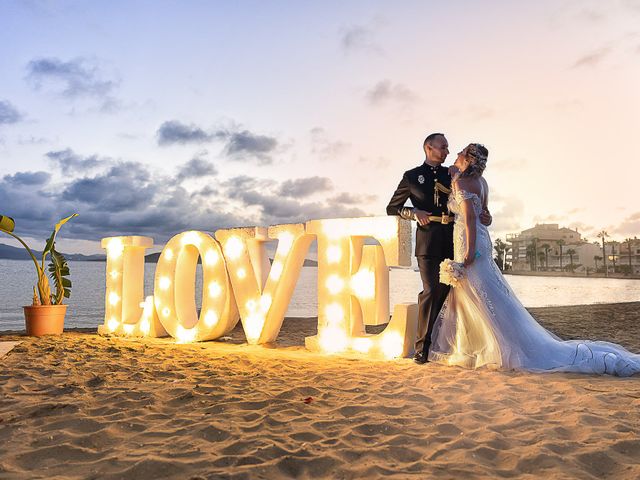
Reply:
x=125, y=312
x=238, y=280
x=174, y=289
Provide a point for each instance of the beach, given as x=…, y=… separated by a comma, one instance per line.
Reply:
x=84, y=406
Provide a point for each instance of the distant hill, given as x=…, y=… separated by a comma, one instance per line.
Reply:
x=19, y=253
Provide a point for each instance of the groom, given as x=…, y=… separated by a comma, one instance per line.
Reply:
x=428, y=187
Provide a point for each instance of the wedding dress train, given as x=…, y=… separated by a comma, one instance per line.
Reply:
x=483, y=323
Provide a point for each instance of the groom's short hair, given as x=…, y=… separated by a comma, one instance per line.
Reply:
x=430, y=138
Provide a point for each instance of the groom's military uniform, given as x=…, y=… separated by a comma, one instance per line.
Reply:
x=428, y=189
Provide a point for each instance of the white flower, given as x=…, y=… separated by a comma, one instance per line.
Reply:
x=451, y=272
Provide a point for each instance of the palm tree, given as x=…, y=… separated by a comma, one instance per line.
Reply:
x=602, y=235
x=500, y=247
x=531, y=257
x=629, y=240
x=561, y=243
x=534, y=242
x=546, y=247
x=541, y=257
x=571, y=252
x=597, y=258
x=613, y=256
x=507, y=249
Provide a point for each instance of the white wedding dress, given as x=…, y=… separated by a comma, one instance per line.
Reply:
x=482, y=323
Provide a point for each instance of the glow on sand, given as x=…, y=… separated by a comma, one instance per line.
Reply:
x=240, y=283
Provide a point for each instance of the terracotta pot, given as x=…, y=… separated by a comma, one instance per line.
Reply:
x=44, y=319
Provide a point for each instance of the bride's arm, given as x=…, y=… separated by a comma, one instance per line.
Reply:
x=470, y=225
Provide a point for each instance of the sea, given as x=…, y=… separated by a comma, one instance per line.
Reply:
x=86, y=305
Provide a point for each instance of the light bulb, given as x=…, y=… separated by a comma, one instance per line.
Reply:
x=211, y=257
x=334, y=254
x=233, y=248
x=334, y=284
x=164, y=283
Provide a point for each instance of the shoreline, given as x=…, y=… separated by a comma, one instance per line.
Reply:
x=570, y=275
x=586, y=306
x=83, y=406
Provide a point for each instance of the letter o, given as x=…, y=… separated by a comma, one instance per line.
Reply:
x=174, y=289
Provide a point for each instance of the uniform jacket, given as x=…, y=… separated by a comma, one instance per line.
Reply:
x=417, y=185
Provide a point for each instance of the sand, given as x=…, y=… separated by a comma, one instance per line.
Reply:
x=84, y=406
x=6, y=347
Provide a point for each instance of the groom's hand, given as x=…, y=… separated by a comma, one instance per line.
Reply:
x=486, y=218
x=422, y=217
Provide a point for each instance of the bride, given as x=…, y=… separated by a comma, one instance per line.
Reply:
x=482, y=322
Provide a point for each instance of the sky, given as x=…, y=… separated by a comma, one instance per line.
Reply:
x=156, y=117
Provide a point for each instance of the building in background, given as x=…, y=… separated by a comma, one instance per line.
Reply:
x=549, y=247
x=625, y=256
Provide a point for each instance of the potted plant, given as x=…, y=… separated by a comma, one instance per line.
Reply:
x=46, y=314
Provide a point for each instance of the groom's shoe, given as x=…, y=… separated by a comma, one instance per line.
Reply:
x=421, y=357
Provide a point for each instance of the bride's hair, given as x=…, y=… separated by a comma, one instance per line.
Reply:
x=477, y=155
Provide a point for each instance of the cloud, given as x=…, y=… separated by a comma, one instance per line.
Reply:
x=586, y=230
x=628, y=227
x=376, y=163
x=553, y=218
x=346, y=198
x=384, y=92
x=323, y=147
x=132, y=198
x=8, y=113
x=197, y=167
x=592, y=59
x=507, y=216
x=32, y=140
x=304, y=187
x=126, y=186
x=206, y=191
x=27, y=178
x=275, y=209
x=173, y=131
x=239, y=144
x=75, y=78
x=124, y=198
x=70, y=162
x=244, y=144
x=358, y=38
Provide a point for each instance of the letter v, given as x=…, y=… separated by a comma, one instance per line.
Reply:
x=263, y=297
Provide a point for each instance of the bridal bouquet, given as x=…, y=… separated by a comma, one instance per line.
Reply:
x=451, y=272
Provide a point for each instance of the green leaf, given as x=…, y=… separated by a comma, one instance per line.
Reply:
x=7, y=224
x=50, y=245
x=58, y=270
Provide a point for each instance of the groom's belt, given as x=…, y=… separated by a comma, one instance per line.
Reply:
x=444, y=219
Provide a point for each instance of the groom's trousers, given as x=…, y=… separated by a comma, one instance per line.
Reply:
x=430, y=300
